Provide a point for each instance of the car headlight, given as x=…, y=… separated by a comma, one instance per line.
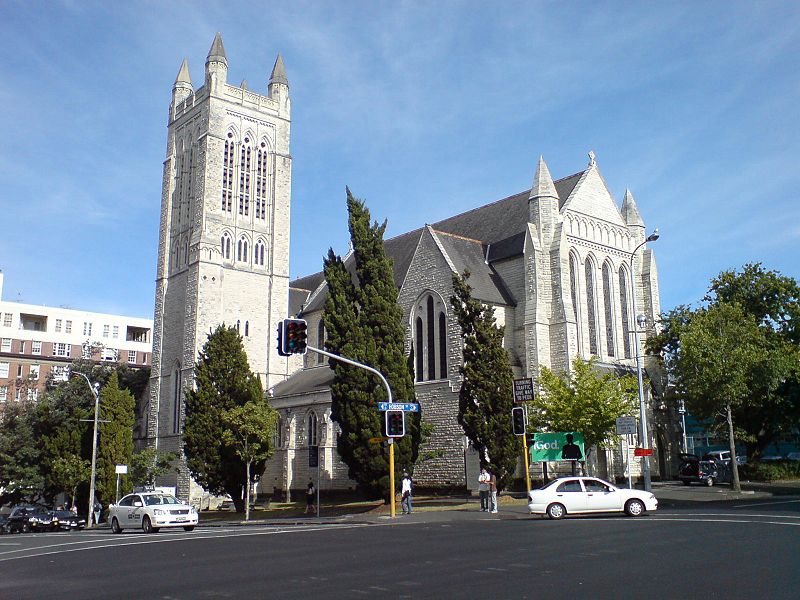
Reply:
x=158, y=512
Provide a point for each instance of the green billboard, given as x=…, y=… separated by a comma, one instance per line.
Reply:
x=558, y=445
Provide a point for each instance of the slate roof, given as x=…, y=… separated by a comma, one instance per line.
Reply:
x=312, y=379
x=483, y=230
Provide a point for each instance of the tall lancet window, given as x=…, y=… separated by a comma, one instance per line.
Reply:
x=241, y=250
x=176, y=400
x=623, y=307
x=573, y=290
x=320, y=340
x=591, y=315
x=609, y=312
x=313, y=439
x=227, y=174
x=178, y=192
x=190, y=186
x=244, y=178
x=226, y=246
x=430, y=339
x=261, y=182
x=258, y=253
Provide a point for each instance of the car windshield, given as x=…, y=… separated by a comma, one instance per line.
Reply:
x=154, y=499
x=64, y=514
x=549, y=484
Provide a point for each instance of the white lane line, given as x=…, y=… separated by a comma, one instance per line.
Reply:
x=735, y=515
x=765, y=503
x=732, y=520
x=34, y=552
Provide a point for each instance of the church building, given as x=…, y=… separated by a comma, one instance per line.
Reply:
x=554, y=262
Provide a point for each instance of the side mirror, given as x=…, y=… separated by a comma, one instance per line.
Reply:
x=137, y=504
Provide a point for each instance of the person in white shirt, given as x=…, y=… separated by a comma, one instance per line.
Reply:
x=405, y=492
x=483, y=489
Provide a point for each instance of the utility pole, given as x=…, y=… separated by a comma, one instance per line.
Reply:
x=96, y=391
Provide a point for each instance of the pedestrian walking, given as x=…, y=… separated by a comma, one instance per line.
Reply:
x=310, y=493
x=406, y=488
x=493, y=492
x=483, y=489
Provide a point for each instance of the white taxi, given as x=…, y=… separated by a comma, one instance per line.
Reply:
x=585, y=495
x=150, y=511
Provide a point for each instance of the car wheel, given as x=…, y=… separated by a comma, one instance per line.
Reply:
x=634, y=508
x=147, y=526
x=556, y=511
x=115, y=528
x=710, y=481
x=685, y=481
x=189, y=528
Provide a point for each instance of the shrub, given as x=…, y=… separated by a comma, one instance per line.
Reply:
x=770, y=471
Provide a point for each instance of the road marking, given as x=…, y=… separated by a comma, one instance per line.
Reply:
x=34, y=552
x=733, y=520
x=766, y=503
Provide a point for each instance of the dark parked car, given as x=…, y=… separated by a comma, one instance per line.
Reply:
x=3, y=523
x=693, y=469
x=30, y=518
x=69, y=521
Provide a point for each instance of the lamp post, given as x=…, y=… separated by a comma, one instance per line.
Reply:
x=96, y=391
x=642, y=409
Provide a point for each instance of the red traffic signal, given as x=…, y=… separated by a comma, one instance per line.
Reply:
x=293, y=337
x=395, y=423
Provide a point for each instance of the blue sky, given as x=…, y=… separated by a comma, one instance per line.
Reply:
x=425, y=109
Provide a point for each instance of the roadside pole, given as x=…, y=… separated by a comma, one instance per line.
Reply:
x=527, y=468
x=389, y=399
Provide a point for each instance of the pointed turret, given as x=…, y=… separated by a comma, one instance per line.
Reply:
x=216, y=64
x=217, y=52
x=543, y=185
x=279, y=72
x=183, y=79
x=630, y=211
x=182, y=88
x=543, y=202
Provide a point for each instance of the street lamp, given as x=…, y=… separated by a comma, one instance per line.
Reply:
x=642, y=411
x=96, y=391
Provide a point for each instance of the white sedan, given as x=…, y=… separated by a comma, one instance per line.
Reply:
x=150, y=511
x=586, y=495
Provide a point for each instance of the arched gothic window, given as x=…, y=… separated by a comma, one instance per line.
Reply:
x=237, y=325
x=258, y=255
x=190, y=185
x=241, y=250
x=623, y=308
x=186, y=252
x=244, y=178
x=262, y=173
x=430, y=339
x=573, y=290
x=176, y=400
x=321, y=340
x=227, y=173
x=591, y=314
x=247, y=329
x=225, y=246
x=277, y=440
x=312, y=429
x=609, y=311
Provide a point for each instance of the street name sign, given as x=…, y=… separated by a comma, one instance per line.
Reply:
x=626, y=425
x=377, y=440
x=523, y=390
x=121, y=469
x=404, y=406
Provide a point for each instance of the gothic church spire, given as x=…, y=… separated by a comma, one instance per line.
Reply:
x=183, y=79
x=217, y=52
x=630, y=212
x=543, y=186
x=279, y=72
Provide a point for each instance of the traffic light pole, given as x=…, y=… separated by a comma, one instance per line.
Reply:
x=389, y=399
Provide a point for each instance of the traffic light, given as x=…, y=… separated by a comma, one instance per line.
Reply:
x=395, y=423
x=518, y=420
x=293, y=337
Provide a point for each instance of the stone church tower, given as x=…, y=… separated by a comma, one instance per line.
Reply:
x=223, y=254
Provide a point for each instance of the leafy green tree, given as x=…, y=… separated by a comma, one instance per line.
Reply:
x=149, y=464
x=20, y=455
x=223, y=381
x=69, y=472
x=364, y=322
x=584, y=400
x=249, y=431
x=62, y=425
x=771, y=302
x=115, y=439
x=486, y=396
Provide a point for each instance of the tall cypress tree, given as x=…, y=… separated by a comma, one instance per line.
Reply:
x=486, y=396
x=115, y=445
x=364, y=322
x=223, y=380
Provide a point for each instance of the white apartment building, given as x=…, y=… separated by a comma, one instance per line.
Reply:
x=39, y=341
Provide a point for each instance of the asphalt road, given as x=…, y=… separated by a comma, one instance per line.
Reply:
x=737, y=550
